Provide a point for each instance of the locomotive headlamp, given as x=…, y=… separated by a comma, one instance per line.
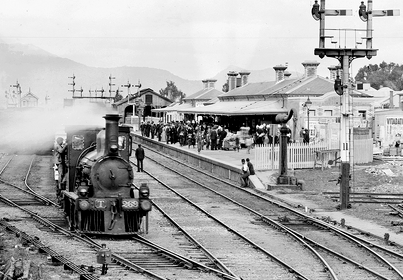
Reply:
x=84, y=204
x=83, y=191
x=113, y=148
x=144, y=191
x=145, y=205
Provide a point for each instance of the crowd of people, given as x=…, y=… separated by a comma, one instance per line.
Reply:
x=188, y=133
x=204, y=136
x=208, y=136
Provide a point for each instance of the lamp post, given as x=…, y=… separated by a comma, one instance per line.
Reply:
x=307, y=105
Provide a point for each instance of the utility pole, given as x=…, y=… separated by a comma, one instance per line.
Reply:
x=343, y=86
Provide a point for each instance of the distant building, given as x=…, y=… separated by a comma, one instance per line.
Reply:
x=29, y=100
x=137, y=107
x=15, y=100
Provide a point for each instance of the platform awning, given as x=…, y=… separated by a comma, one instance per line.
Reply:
x=232, y=108
x=174, y=108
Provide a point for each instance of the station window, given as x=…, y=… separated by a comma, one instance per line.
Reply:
x=328, y=113
x=312, y=113
x=362, y=114
x=122, y=142
x=77, y=142
x=149, y=99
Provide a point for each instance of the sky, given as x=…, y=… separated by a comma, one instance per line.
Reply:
x=195, y=39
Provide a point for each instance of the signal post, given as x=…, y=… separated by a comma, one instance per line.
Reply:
x=345, y=55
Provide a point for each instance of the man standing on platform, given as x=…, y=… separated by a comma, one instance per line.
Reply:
x=140, y=157
x=250, y=166
x=245, y=174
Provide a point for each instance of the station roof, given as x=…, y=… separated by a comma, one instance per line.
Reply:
x=232, y=108
x=174, y=107
x=204, y=94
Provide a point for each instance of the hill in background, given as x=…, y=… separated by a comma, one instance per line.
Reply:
x=48, y=75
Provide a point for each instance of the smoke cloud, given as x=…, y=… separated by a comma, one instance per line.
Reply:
x=33, y=130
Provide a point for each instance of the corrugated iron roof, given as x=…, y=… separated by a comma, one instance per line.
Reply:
x=240, y=108
x=205, y=94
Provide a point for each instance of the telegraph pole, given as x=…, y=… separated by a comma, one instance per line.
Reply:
x=342, y=86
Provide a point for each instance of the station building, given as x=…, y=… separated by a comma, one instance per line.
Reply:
x=137, y=107
x=251, y=104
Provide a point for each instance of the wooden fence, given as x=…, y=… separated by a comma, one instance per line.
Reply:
x=302, y=155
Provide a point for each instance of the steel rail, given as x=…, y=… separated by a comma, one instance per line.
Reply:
x=43, y=248
x=225, y=271
x=84, y=239
x=262, y=217
x=267, y=253
x=29, y=188
x=227, y=275
x=39, y=197
x=342, y=233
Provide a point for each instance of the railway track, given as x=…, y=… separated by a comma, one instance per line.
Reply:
x=248, y=257
x=340, y=247
x=142, y=258
x=24, y=195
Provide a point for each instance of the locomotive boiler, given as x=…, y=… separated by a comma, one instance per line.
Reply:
x=100, y=194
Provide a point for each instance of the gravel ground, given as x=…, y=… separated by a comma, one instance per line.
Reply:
x=380, y=176
x=383, y=176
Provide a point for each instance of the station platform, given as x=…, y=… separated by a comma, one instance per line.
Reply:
x=261, y=180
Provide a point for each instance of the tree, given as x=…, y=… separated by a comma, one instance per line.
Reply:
x=387, y=75
x=172, y=92
x=118, y=96
x=225, y=87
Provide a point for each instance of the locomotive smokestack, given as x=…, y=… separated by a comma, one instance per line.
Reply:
x=111, y=134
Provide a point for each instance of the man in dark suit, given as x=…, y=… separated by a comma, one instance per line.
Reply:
x=140, y=157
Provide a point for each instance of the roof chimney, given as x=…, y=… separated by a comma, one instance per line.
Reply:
x=244, y=77
x=205, y=84
x=310, y=68
x=279, y=69
x=287, y=75
x=210, y=83
x=232, y=80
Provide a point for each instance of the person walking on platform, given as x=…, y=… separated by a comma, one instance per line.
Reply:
x=248, y=144
x=237, y=143
x=207, y=134
x=244, y=174
x=250, y=166
x=140, y=157
x=199, y=140
x=213, y=138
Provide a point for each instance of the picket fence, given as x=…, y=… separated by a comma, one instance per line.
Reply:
x=302, y=155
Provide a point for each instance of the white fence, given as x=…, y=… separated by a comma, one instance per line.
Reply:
x=302, y=155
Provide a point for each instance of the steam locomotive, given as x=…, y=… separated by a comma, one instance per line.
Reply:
x=99, y=193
